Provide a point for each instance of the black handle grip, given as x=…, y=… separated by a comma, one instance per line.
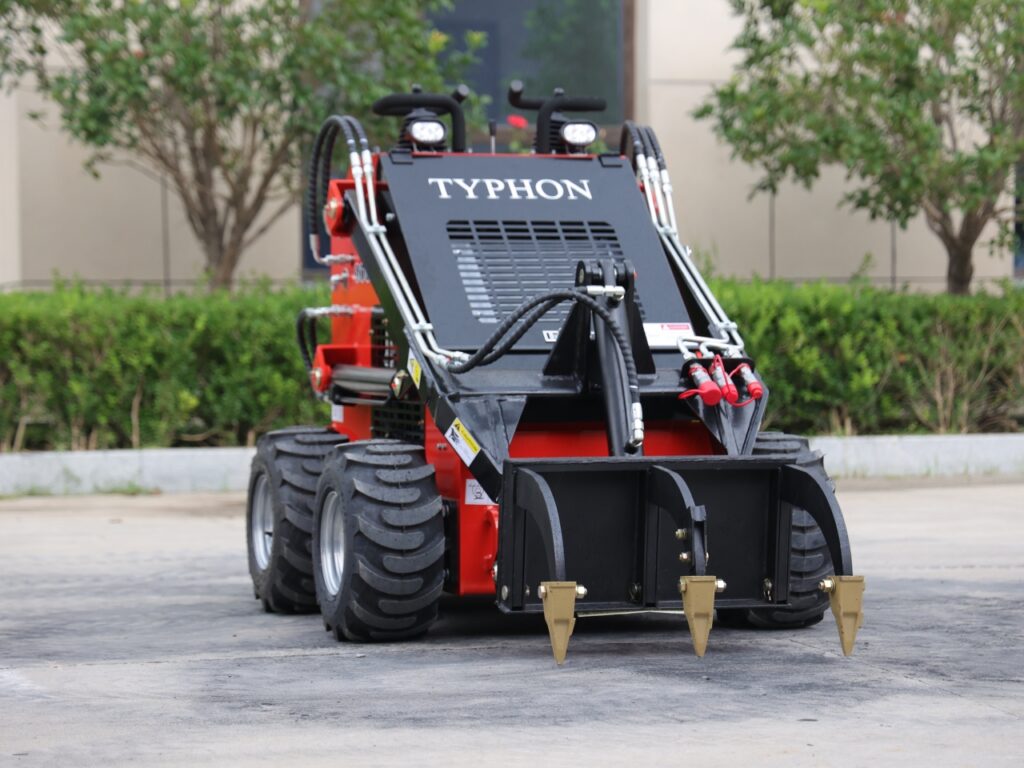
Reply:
x=400, y=104
x=517, y=100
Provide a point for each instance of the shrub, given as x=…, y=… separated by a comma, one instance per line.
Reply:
x=102, y=369
x=852, y=359
x=87, y=369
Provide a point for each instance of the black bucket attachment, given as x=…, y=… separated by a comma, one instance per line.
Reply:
x=636, y=534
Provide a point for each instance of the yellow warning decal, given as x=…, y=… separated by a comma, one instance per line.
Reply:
x=462, y=441
x=415, y=371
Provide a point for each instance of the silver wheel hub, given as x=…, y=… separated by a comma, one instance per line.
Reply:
x=332, y=543
x=262, y=523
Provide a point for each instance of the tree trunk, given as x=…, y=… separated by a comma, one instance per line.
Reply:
x=961, y=267
x=222, y=273
x=221, y=260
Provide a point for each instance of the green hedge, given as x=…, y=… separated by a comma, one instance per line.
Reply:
x=857, y=360
x=102, y=369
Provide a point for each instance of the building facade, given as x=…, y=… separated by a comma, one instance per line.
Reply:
x=56, y=220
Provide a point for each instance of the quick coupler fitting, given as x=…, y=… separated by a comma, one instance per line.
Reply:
x=755, y=389
x=703, y=386
x=638, y=435
x=724, y=383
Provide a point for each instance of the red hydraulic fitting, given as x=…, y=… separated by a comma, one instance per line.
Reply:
x=729, y=391
x=703, y=386
x=755, y=389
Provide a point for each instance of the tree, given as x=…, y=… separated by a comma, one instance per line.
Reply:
x=921, y=101
x=221, y=96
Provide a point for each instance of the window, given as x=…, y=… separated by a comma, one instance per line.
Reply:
x=577, y=45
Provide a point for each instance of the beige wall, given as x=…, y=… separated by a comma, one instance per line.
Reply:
x=10, y=199
x=56, y=219
x=108, y=229
x=682, y=52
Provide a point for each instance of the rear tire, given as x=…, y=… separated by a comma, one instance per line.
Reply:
x=809, y=560
x=279, y=515
x=378, y=542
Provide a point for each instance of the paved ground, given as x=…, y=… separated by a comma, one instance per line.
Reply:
x=128, y=634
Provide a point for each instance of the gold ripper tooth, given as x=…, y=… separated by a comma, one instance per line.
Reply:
x=559, y=599
x=846, y=597
x=699, y=606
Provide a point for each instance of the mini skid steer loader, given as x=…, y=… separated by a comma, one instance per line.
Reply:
x=534, y=395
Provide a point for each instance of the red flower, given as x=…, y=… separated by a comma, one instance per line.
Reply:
x=517, y=121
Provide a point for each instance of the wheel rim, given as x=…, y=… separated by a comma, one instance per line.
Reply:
x=262, y=523
x=332, y=543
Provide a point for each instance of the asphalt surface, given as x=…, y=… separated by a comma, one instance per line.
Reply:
x=128, y=634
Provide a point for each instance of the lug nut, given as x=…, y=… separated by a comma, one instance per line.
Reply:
x=827, y=585
x=681, y=534
x=581, y=591
x=504, y=593
x=684, y=557
x=542, y=591
x=720, y=585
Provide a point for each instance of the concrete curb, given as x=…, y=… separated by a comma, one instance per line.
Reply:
x=923, y=455
x=184, y=470
x=167, y=470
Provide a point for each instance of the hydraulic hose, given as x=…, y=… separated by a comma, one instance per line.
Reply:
x=629, y=129
x=320, y=172
x=529, y=312
x=652, y=139
x=300, y=335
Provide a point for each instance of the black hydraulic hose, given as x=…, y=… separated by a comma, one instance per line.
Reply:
x=653, y=138
x=300, y=335
x=629, y=129
x=360, y=132
x=526, y=323
x=327, y=135
x=645, y=139
x=478, y=357
x=324, y=180
x=548, y=301
x=320, y=167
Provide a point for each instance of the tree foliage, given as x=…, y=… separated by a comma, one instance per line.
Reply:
x=221, y=96
x=921, y=101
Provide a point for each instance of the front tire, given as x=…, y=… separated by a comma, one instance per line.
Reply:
x=809, y=560
x=279, y=516
x=378, y=542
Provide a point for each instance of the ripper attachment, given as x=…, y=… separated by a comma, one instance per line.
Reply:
x=846, y=598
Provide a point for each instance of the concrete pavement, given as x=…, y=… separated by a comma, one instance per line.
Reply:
x=128, y=635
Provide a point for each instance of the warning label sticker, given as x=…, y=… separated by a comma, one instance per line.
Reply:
x=415, y=371
x=337, y=412
x=463, y=442
x=666, y=335
x=475, y=494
